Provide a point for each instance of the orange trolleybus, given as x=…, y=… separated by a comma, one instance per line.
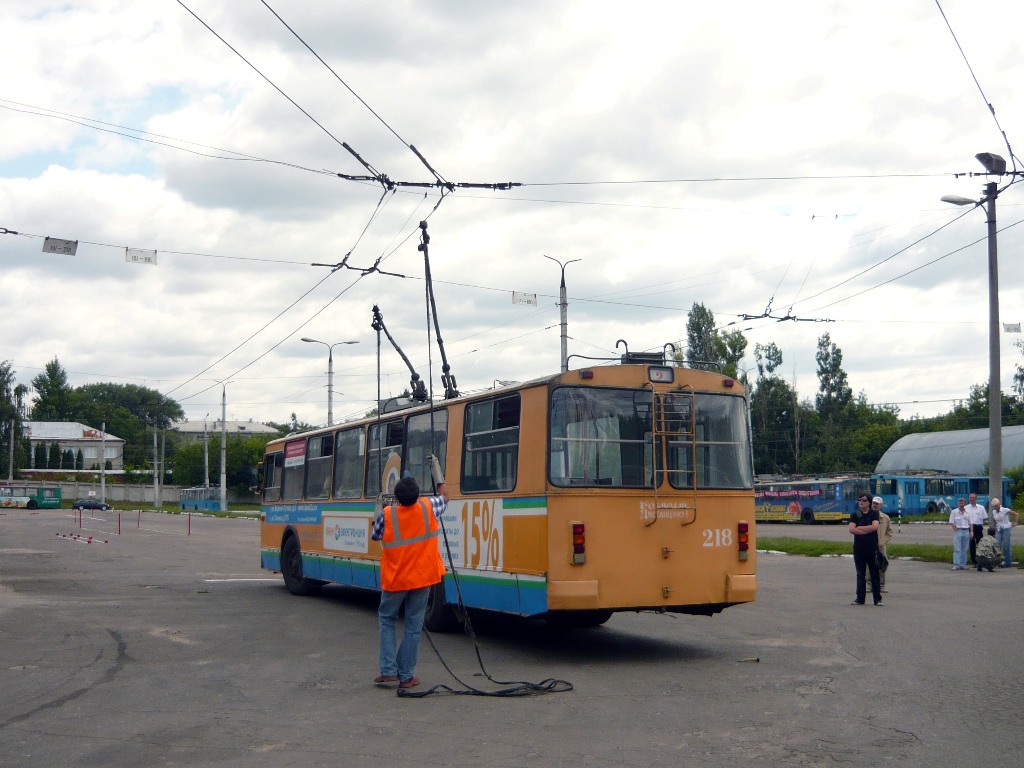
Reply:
x=611, y=488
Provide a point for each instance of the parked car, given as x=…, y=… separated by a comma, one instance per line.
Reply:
x=90, y=504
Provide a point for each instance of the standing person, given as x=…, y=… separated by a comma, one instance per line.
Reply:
x=864, y=527
x=410, y=564
x=885, y=535
x=1001, y=515
x=960, y=522
x=978, y=517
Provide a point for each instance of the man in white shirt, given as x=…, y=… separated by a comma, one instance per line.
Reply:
x=978, y=516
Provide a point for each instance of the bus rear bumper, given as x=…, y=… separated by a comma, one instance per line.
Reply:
x=740, y=588
x=572, y=595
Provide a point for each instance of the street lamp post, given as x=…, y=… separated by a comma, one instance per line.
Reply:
x=563, y=304
x=330, y=373
x=206, y=453
x=994, y=164
x=224, y=446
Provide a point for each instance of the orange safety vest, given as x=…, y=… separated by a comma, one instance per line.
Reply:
x=411, y=558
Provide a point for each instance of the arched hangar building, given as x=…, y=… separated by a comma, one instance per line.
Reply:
x=959, y=452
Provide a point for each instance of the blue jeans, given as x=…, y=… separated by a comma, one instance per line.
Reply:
x=961, y=542
x=403, y=663
x=1003, y=537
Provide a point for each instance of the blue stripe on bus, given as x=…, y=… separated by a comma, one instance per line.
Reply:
x=509, y=594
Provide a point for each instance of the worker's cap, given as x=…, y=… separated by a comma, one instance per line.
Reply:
x=877, y=500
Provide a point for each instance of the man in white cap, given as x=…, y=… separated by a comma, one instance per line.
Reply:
x=885, y=535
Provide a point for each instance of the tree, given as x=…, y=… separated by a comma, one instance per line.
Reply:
x=39, y=461
x=129, y=411
x=1018, y=374
x=12, y=412
x=243, y=455
x=768, y=358
x=730, y=347
x=709, y=350
x=834, y=393
x=774, y=416
x=292, y=426
x=55, y=399
x=700, y=339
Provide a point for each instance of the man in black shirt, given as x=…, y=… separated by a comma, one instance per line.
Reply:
x=864, y=527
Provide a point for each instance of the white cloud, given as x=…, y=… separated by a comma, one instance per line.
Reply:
x=872, y=103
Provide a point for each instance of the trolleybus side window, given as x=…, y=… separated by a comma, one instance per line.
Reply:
x=723, y=453
x=600, y=437
x=272, y=472
x=490, y=451
x=384, y=448
x=349, y=452
x=417, y=445
x=294, y=470
x=854, y=488
x=939, y=486
x=319, y=461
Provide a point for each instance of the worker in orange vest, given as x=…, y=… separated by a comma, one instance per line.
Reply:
x=410, y=565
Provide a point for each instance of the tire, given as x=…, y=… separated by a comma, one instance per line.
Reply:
x=577, y=619
x=932, y=508
x=440, y=616
x=291, y=569
x=32, y=504
x=807, y=517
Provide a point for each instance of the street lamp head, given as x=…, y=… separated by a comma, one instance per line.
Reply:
x=312, y=341
x=994, y=164
x=958, y=200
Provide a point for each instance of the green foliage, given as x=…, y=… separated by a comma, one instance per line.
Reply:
x=701, y=352
x=55, y=399
x=243, y=456
x=291, y=426
x=774, y=422
x=1016, y=475
x=834, y=393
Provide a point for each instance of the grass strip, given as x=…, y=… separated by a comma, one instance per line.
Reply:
x=929, y=553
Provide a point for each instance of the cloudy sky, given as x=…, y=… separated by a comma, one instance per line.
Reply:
x=783, y=159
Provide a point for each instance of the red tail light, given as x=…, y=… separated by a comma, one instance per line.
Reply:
x=743, y=539
x=579, y=543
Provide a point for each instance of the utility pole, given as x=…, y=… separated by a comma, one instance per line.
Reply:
x=995, y=165
x=224, y=448
x=330, y=373
x=206, y=453
x=563, y=303
x=103, y=462
x=156, y=486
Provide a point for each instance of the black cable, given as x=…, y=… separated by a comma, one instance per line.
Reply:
x=991, y=109
x=86, y=122
x=517, y=687
x=258, y=72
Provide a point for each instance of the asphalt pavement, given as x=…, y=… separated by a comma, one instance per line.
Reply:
x=167, y=645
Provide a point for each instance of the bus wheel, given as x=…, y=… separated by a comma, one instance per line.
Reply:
x=440, y=616
x=291, y=569
x=807, y=517
x=32, y=504
x=932, y=508
x=576, y=619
